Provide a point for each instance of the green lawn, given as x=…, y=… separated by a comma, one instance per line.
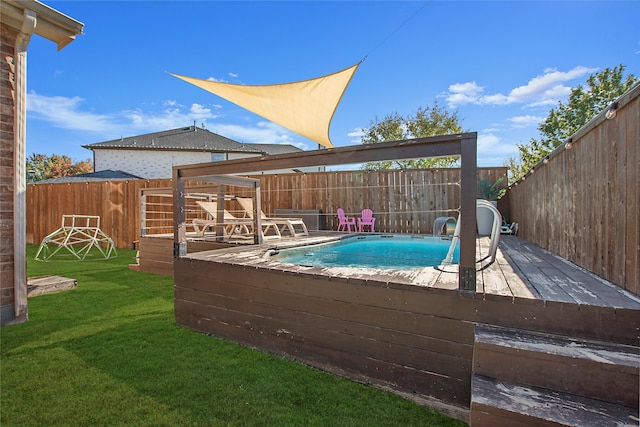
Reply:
x=109, y=353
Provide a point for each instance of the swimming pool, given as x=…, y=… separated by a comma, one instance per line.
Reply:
x=398, y=252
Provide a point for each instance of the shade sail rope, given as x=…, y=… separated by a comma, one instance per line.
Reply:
x=397, y=29
x=305, y=107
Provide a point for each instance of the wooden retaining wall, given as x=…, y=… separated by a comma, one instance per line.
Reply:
x=156, y=253
x=403, y=201
x=413, y=340
x=584, y=204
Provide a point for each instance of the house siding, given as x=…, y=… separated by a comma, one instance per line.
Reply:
x=149, y=164
x=158, y=164
x=7, y=137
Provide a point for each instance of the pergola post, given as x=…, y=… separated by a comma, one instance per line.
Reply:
x=257, y=214
x=220, y=212
x=468, y=191
x=179, y=215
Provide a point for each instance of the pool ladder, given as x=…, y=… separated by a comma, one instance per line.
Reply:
x=494, y=239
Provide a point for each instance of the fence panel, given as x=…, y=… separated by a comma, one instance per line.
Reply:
x=402, y=201
x=583, y=204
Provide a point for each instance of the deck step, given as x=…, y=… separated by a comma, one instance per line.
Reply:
x=604, y=371
x=498, y=403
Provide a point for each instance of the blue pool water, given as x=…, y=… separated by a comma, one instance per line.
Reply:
x=375, y=251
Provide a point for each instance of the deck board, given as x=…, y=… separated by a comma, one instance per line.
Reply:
x=521, y=270
x=556, y=279
x=589, y=283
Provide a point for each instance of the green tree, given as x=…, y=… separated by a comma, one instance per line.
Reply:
x=54, y=166
x=425, y=122
x=566, y=119
x=516, y=169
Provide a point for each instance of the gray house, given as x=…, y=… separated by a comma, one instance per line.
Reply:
x=153, y=155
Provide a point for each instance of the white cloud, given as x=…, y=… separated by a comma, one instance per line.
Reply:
x=67, y=113
x=545, y=89
x=470, y=88
x=262, y=133
x=355, y=136
x=525, y=121
x=490, y=130
x=213, y=79
x=493, y=151
x=232, y=75
x=199, y=112
x=463, y=93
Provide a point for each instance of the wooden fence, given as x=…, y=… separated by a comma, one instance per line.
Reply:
x=406, y=201
x=583, y=204
x=116, y=202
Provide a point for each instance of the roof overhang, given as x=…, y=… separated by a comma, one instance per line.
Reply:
x=51, y=24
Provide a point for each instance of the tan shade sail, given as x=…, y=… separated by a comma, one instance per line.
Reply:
x=305, y=107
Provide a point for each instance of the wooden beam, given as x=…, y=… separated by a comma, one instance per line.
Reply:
x=238, y=181
x=439, y=146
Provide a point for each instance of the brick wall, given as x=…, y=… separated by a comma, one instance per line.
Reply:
x=7, y=106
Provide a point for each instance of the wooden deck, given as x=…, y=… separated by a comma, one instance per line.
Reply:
x=413, y=332
x=550, y=278
x=521, y=270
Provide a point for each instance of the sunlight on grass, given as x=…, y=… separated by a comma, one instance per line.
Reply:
x=109, y=353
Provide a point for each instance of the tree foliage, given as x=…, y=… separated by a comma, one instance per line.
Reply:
x=55, y=166
x=424, y=123
x=566, y=119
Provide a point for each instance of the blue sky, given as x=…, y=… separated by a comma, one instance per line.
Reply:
x=501, y=65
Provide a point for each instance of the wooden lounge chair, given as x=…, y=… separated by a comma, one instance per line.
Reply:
x=345, y=222
x=284, y=223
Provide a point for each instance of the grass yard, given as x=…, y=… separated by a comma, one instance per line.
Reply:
x=109, y=353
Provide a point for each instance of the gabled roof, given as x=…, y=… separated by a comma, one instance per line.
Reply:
x=273, y=149
x=190, y=138
x=105, y=175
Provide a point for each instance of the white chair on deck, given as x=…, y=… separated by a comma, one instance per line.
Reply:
x=509, y=228
x=494, y=237
x=232, y=224
x=285, y=223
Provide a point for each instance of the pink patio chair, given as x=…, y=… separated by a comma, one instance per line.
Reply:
x=345, y=221
x=366, y=219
